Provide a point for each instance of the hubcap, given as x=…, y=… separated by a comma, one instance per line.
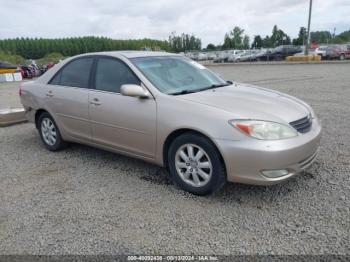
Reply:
x=193, y=165
x=48, y=131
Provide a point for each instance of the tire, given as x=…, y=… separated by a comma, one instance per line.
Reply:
x=278, y=58
x=203, y=172
x=49, y=133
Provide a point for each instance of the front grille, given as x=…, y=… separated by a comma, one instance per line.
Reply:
x=302, y=125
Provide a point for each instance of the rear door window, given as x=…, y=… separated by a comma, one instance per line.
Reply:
x=75, y=74
x=56, y=80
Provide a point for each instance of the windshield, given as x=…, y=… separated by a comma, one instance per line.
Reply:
x=173, y=75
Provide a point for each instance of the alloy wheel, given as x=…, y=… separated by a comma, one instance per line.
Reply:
x=48, y=131
x=193, y=165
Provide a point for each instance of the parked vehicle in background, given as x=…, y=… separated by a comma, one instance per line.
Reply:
x=262, y=55
x=222, y=57
x=344, y=52
x=232, y=56
x=338, y=52
x=26, y=72
x=37, y=70
x=49, y=66
x=302, y=52
x=331, y=52
x=171, y=111
x=33, y=70
x=42, y=68
x=248, y=56
x=195, y=56
x=189, y=55
x=279, y=53
x=212, y=55
x=321, y=51
x=202, y=57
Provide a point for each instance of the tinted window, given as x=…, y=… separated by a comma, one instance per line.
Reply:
x=56, y=80
x=77, y=73
x=111, y=74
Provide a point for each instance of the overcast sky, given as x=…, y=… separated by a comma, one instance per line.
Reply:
x=208, y=19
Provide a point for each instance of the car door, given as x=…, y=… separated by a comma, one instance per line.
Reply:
x=121, y=122
x=67, y=98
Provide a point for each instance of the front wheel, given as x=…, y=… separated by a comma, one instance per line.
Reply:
x=195, y=164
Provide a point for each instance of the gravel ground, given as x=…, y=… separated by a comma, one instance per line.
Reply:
x=88, y=201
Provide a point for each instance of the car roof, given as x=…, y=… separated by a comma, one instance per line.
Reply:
x=127, y=54
x=132, y=54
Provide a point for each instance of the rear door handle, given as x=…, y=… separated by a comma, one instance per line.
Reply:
x=49, y=94
x=95, y=102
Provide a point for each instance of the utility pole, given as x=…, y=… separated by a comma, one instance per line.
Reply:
x=307, y=42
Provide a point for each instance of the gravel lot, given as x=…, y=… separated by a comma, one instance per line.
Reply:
x=87, y=201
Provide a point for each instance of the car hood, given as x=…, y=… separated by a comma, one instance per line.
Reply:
x=251, y=102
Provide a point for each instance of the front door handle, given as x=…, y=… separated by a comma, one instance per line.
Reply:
x=95, y=102
x=49, y=94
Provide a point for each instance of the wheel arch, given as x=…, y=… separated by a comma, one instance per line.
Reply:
x=176, y=133
x=37, y=116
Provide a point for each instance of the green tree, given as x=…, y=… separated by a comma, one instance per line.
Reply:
x=236, y=39
x=227, y=42
x=300, y=40
x=345, y=36
x=279, y=37
x=267, y=42
x=14, y=59
x=257, y=42
x=211, y=47
x=321, y=37
x=36, y=48
x=342, y=38
x=184, y=42
x=246, y=42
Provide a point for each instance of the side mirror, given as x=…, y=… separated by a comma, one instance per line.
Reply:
x=134, y=91
x=229, y=82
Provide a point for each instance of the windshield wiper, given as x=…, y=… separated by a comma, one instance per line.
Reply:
x=183, y=92
x=187, y=91
x=214, y=86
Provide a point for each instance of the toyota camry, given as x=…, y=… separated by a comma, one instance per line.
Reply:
x=174, y=112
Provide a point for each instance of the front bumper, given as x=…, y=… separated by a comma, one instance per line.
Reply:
x=245, y=160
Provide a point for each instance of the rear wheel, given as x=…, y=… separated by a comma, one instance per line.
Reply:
x=49, y=133
x=195, y=164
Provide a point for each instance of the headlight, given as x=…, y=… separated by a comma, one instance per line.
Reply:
x=264, y=130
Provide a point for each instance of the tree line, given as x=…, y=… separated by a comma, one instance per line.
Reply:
x=237, y=39
x=35, y=48
x=18, y=49
x=184, y=42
